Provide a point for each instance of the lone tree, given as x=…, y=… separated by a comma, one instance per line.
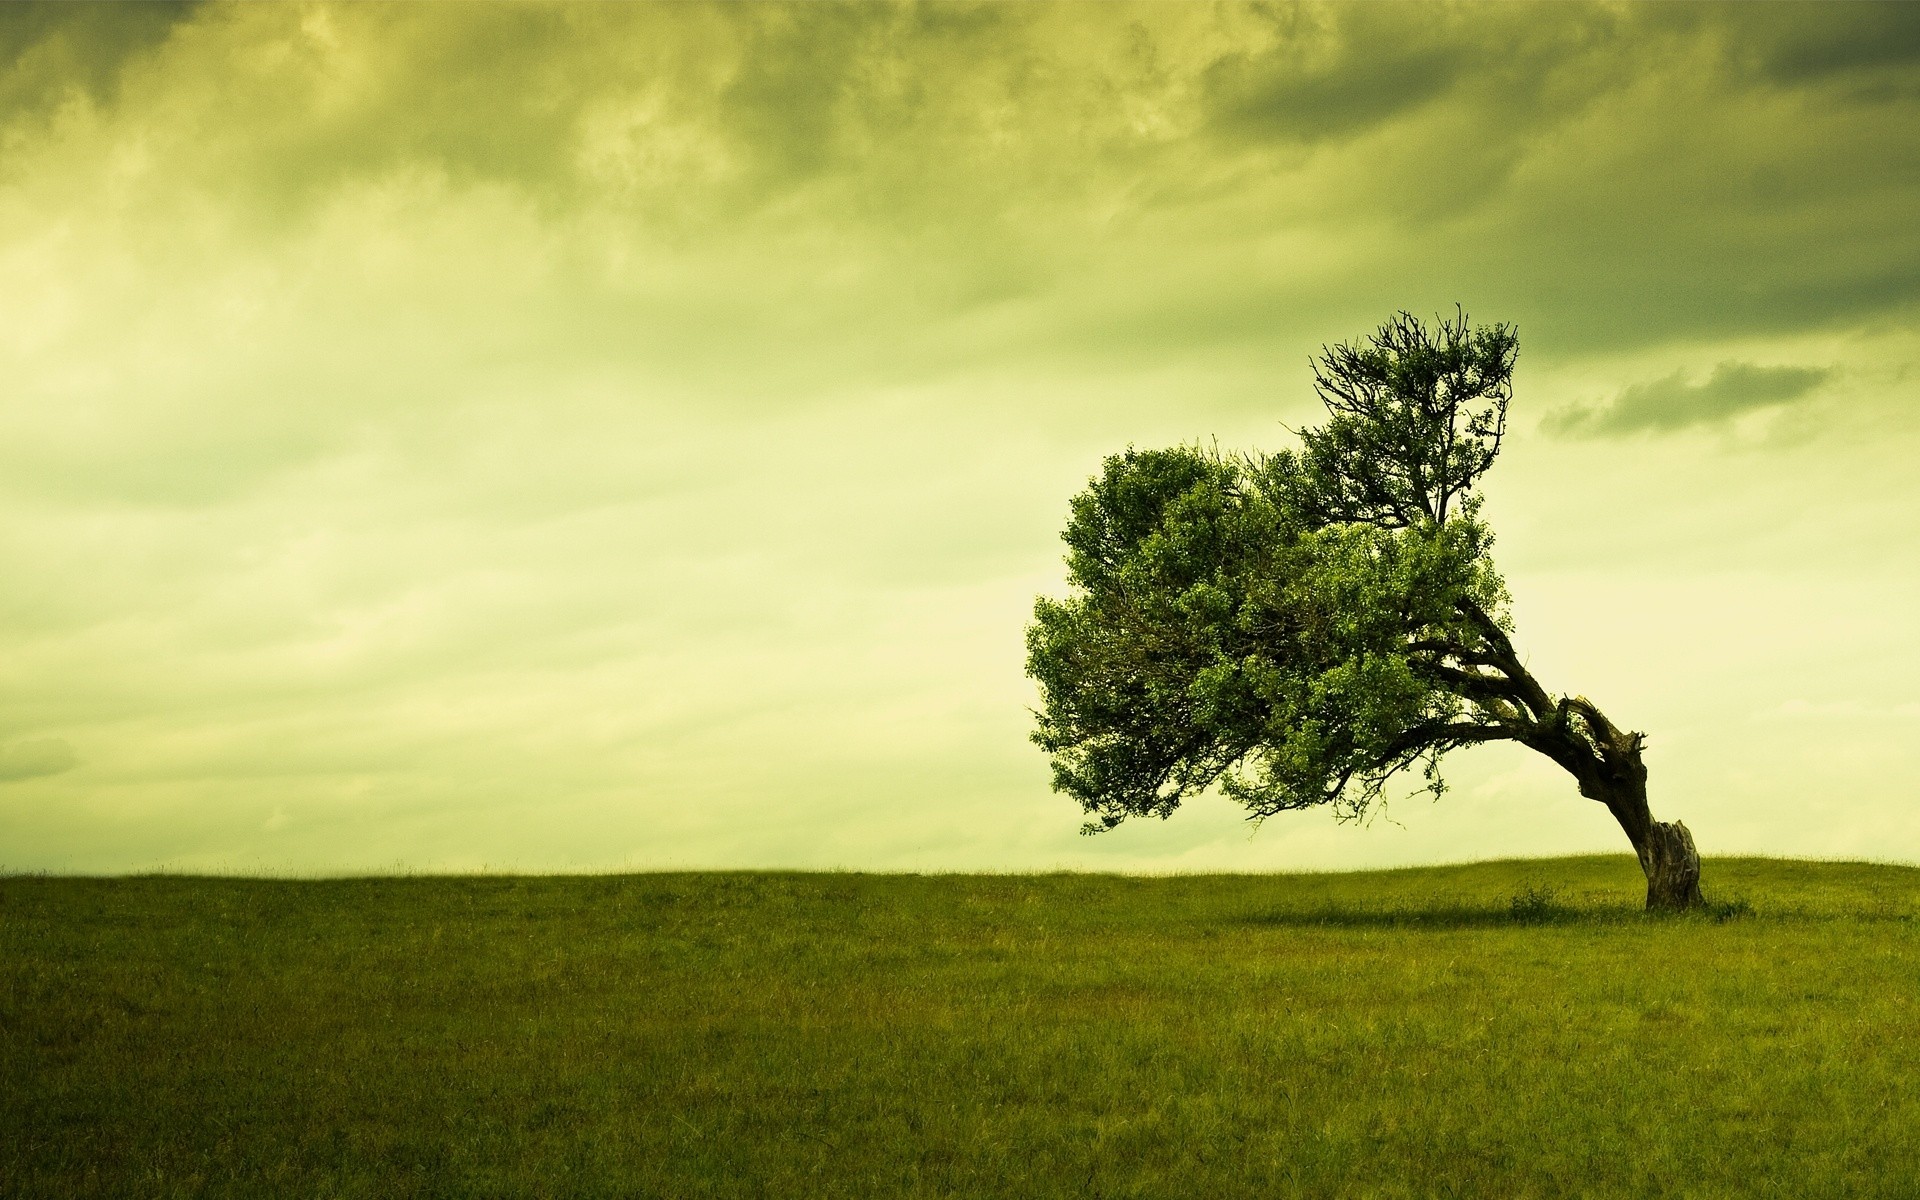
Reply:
x=1301, y=627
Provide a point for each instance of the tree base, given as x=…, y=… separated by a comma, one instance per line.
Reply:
x=1672, y=866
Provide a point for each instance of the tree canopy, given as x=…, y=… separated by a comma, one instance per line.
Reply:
x=1299, y=628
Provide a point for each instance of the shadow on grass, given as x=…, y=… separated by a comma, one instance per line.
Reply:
x=1530, y=906
x=1438, y=916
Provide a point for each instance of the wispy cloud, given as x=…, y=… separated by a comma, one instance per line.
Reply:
x=35, y=758
x=1664, y=405
x=1839, y=710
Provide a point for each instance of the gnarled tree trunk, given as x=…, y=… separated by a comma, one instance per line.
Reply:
x=1667, y=855
x=1603, y=758
x=1672, y=867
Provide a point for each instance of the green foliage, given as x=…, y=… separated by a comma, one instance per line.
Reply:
x=1386, y=1033
x=1415, y=417
x=1271, y=624
x=1213, y=636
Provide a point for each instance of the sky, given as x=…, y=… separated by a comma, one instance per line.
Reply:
x=631, y=437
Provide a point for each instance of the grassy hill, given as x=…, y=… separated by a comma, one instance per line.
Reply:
x=1511, y=1028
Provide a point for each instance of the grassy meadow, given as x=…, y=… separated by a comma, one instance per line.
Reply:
x=1512, y=1029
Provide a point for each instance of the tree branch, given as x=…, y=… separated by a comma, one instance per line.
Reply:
x=1449, y=734
x=1508, y=662
x=1446, y=649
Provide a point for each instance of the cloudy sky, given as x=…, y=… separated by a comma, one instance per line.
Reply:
x=574, y=438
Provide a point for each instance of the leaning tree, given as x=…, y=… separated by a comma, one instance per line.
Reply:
x=1299, y=628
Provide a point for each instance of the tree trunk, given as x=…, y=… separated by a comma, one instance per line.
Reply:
x=1667, y=855
x=1672, y=866
x=1603, y=758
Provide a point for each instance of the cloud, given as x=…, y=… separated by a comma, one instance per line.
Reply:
x=1873, y=36
x=49, y=51
x=1277, y=94
x=1330, y=73
x=1243, y=162
x=1838, y=710
x=35, y=758
x=1665, y=405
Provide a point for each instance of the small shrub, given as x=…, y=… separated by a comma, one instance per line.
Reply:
x=1731, y=908
x=1535, y=904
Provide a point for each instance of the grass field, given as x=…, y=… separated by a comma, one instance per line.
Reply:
x=1498, y=1029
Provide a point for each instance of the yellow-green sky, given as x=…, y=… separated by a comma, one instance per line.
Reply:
x=596, y=437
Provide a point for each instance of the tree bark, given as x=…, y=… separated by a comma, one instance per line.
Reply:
x=1672, y=867
x=1667, y=855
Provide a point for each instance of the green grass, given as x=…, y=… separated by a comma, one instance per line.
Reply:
x=1510, y=1029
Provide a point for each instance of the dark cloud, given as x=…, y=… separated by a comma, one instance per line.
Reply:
x=1266, y=96
x=1609, y=177
x=1818, y=41
x=800, y=81
x=1664, y=405
x=36, y=758
x=50, y=50
x=1334, y=73
x=490, y=98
